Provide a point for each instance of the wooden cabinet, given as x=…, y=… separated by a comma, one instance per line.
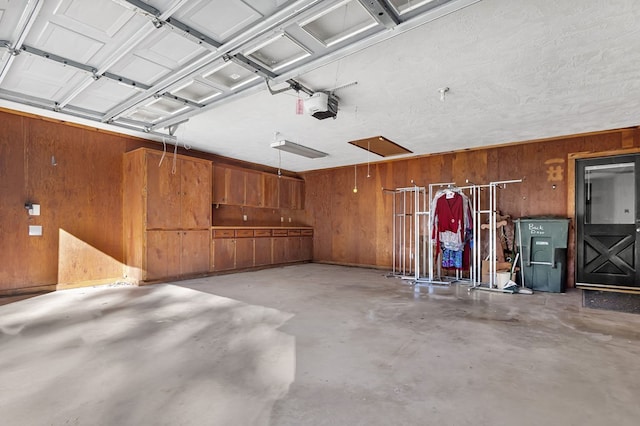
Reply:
x=262, y=250
x=232, y=249
x=291, y=193
x=306, y=244
x=194, y=251
x=237, y=186
x=270, y=196
x=253, y=189
x=162, y=254
x=223, y=254
x=244, y=252
x=167, y=215
x=242, y=248
x=195, y=201
x=175, y=200
x=176, y=252
x=228, y=185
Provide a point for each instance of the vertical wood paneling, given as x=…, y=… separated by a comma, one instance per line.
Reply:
x=350, y=227
x=319, y=199
x=134, y=213
x=14, y=220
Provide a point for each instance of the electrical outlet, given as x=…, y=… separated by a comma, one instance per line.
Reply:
x=281, y=219
x=289, y=220
x=244, y=217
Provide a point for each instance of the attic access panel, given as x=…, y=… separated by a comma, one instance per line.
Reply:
x=381, y=146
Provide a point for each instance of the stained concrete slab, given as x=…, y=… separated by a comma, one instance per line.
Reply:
x=316, y=345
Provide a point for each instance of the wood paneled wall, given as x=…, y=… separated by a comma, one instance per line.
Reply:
x=356, y=228
x=75, y=175
x=81, y=203
x=81, y=197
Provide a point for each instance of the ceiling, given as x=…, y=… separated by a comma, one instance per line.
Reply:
x=229, y=77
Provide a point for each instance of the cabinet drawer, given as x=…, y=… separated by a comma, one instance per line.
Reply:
x=244, y=233
x=223, y=233
x=307, y=232
x=262, y=232
x=280, y=233
x=294, y=232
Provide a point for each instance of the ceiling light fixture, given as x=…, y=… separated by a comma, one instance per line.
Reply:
x=355, y=179
x=294, y=148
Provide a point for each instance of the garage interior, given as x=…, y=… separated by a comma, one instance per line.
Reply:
x=225, y=212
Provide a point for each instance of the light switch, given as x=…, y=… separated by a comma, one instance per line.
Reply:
x=34, y=210
x=35, y=230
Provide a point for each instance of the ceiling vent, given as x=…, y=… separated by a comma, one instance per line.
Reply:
x=322, y=105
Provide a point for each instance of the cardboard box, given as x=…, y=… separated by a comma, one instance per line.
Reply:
x=500, y=266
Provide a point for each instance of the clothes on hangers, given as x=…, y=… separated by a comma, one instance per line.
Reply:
x=452, y=222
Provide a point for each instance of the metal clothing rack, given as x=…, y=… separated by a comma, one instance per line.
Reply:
x=492, y=211
x=407, y=202
x=412, y=224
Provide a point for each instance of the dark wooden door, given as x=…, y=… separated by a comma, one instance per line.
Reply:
x=608, y=221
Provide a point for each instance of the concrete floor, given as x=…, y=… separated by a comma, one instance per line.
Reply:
x=315, y=345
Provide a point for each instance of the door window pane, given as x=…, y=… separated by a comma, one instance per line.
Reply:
x=609, y=194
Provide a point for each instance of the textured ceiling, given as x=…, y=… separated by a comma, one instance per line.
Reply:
x=516, y=71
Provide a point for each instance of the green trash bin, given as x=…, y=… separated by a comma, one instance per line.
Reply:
x=542, y=245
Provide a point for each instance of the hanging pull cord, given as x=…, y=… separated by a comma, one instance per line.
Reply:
x=164, y=151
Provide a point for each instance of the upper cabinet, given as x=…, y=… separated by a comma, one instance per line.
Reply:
x=177, y=196
x=244, y=187
x=291, y=193
x=270, y=195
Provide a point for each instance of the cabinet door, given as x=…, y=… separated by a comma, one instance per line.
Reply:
x=196, y=196
x=253, y=189
x=228, y=185
x=235, y=186
x=163, y=192
x=163, y=255
x=284, y=193
x=297, y=194
x=195, y=252
x=306, y=248
x=293, y=249
x=262, y=251
x=244, y=253
x=219, y=185
x=270, y=190
x=280, y=249
x=224, y=254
